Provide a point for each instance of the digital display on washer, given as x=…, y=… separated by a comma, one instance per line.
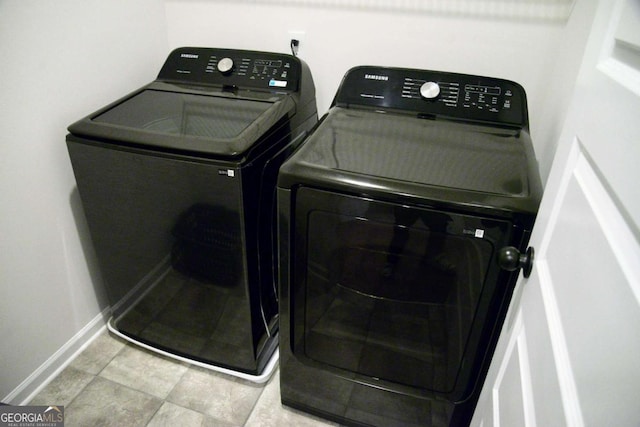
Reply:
x=266, y=63
x=483, y=89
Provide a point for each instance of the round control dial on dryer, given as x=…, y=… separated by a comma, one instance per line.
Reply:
x=225, y=65
x=430, y=90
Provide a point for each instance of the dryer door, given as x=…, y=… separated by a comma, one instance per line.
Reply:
x=394, y=292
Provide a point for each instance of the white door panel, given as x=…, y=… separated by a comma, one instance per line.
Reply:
x=545, y=386
x=607, y=101
x=570, y=346
x=599, y=311
x=508, y=398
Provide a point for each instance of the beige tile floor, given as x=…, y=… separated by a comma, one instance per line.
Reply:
x=114, y=383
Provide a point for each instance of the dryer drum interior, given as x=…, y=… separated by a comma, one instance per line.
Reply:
x=391, y=218
x=177, y=182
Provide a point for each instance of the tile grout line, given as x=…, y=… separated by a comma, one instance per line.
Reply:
x=96, y=375
x=164, y=400
x=255, y=404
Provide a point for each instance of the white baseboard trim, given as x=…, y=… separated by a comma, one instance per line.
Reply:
x=46, y=372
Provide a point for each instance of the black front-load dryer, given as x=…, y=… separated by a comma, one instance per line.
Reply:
x=177, y=181
x=403, y=219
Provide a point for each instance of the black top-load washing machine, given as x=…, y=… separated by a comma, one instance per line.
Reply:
x=177, y=181
x=403, y=221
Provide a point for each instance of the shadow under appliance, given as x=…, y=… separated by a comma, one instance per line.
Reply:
x=177, y=182
x=402, y=219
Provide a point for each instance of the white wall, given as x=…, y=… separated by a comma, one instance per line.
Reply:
x=59, y=61
x=461, y=36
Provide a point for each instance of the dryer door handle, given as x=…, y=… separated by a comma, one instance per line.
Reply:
x=510, y=259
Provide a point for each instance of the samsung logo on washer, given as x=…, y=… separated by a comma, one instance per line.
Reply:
x=376, y=77
x=189, y=55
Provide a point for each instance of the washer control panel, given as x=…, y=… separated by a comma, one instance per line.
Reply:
x=435, y=94
x=232, y=68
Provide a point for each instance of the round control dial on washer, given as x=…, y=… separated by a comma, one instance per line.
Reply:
x=225, y=65
x=430, y=90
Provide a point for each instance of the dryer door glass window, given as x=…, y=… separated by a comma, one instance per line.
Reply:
x=394, y=292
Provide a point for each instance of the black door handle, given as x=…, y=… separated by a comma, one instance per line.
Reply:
x=510, y=259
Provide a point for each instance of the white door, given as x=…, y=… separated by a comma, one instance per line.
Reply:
x=569, y=353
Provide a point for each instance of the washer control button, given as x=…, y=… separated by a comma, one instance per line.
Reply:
x=430, y=90
x=225, y=65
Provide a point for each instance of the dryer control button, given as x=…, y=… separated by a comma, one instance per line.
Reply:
x=430, y=90
x=225, y=65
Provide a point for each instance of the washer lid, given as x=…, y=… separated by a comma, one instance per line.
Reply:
x=373, y=152
x=215, y=123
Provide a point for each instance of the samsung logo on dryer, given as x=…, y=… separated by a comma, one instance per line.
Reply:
x=376, y=77
x=189, y=55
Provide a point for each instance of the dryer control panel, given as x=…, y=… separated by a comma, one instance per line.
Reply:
x=435, y=94
x=232, y=68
